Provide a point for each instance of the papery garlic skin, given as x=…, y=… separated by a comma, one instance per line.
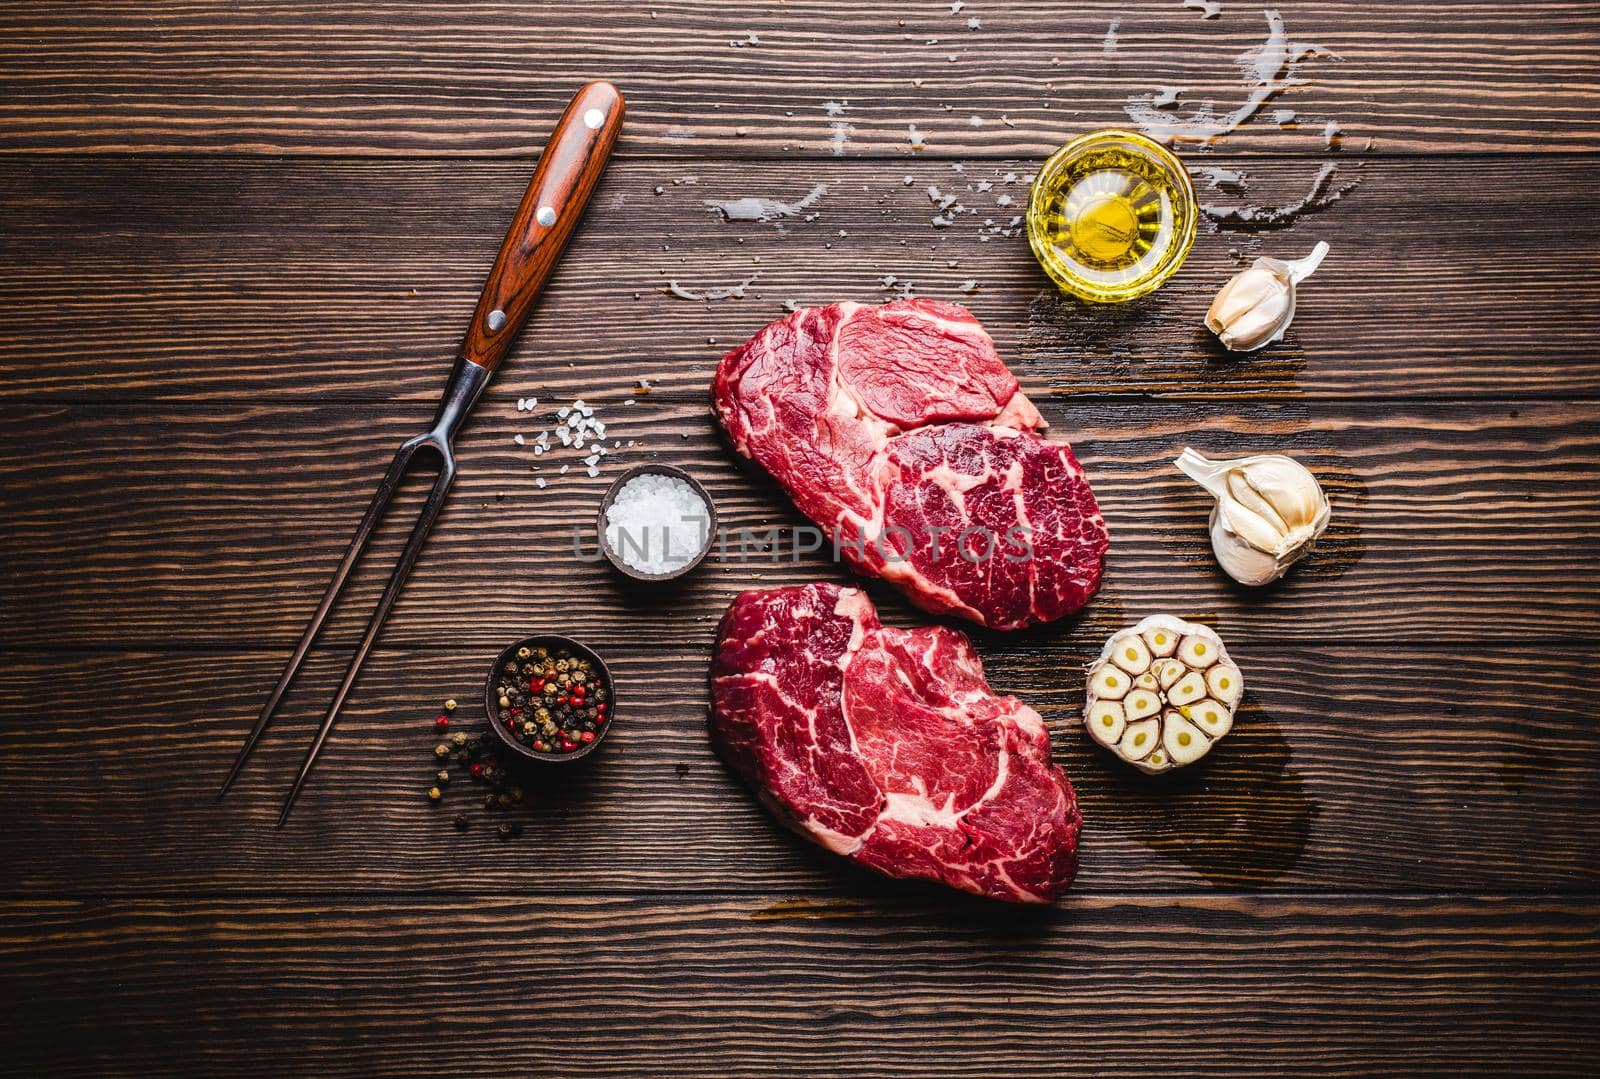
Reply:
x=1256, y=306
x=1157, y=730
x=1269, y=512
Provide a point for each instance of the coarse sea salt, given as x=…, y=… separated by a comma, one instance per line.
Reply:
x=657, y=523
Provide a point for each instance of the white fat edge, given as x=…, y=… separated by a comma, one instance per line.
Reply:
x=854, y=605
x=837, y=842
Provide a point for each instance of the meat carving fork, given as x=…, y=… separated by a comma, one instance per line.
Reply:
x=566, y=176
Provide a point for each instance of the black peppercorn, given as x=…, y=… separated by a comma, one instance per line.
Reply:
x=461, y=822
x=505, y=831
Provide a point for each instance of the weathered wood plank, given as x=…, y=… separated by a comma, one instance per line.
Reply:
x=252, y=280
x=487, y=78
x=213, y=526
x=1351, y=769
x=759, y=987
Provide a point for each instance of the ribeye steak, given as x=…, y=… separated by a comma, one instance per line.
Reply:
x=888, y=746
x=901, y=434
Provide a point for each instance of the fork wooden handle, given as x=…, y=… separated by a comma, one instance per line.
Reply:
x=568, y=171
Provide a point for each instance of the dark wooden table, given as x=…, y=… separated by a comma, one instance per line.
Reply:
x=240, y=242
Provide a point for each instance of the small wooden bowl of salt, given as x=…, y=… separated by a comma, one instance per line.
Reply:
x=656, y=523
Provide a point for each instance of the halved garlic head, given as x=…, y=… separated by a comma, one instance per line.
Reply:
x=1177, y=705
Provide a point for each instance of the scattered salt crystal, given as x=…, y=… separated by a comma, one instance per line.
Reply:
x=976, y=121
x=985, y=185
x=657, y=523
x=969, y=286
x=562, y=412
x=564, y=469
x=973, y=23
x=517, y=439
x=1003, y=200
x=539, y=482
x=956, y=6
x=910, y=180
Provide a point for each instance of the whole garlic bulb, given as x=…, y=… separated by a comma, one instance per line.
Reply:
x=1269, y=512
x=1256, y=306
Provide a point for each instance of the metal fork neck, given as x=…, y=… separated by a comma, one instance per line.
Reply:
x=466, y=385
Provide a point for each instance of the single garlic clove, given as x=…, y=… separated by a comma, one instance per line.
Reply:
x=1141, y=703
x=1191, y=687
x=1131, y=654
x=1224, y=684
x=1107, y=722
x=1110, y=682
x=1162, y=642
x=1239, y=559
x=1154, y=764
x=1213, y=717
x=1169, y=672
x=1146, y=681
x=1257, y=305
x=1182, y=739
x=1288, y=489
x=1139, y=739
x=1198, y=650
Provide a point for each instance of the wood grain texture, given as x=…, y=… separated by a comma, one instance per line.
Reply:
x=762, y=986
x=487, y=77
x=240, y=280
x=217, y=321
x=211, y=526
x=1343, y=773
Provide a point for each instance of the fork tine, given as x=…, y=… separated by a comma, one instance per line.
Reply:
x=408, y=558
x=380, y=500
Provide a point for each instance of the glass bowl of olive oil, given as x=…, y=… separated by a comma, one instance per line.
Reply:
x=1111, y=216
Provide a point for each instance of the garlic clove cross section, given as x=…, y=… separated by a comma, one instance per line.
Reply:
x=1176, y=722
x=1256, y=306
x=1269, y=512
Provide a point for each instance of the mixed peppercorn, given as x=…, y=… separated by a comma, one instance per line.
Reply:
x=551, y=700
x=478, y=757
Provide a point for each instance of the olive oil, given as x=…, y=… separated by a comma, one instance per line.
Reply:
x=1111, y=216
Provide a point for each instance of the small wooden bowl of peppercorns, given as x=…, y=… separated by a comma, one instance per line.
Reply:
x=550, y=699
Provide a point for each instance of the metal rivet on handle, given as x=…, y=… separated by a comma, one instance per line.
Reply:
x=496, y=319
x=546, y=216
x=593, y=118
